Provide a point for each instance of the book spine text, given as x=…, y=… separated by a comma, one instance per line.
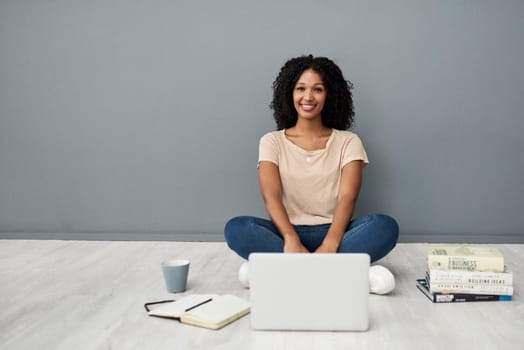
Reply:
x=469, y=288
x=467, y=277
x=446, y=262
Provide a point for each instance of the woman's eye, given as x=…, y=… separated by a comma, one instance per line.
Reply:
x=300, y=88
x=319, y=89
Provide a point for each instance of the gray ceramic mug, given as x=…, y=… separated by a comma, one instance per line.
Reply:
x=175, y=275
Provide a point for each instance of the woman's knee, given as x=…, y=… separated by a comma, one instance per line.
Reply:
x=388, y=228
x=233, y=226
x=236, y=228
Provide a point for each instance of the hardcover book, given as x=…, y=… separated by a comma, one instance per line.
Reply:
x=462, y=257
x=438, y=287
x=423, y=286
x=471, y=277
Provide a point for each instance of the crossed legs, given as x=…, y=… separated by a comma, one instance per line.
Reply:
x=374, y=234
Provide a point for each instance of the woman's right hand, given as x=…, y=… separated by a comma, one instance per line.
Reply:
x=293, y=245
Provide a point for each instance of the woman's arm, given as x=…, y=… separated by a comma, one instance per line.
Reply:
x=350, y=181
x=271, y=190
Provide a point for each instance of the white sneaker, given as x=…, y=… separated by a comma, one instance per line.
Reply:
x=243, y=275
x=381, y=280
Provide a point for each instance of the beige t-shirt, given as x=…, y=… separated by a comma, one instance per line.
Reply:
x=310, y=179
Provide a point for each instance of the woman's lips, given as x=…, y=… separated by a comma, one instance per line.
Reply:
x=307, y=107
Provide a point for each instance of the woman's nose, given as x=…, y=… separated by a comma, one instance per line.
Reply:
x=308, y=95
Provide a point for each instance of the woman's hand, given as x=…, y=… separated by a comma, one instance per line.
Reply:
x=327, y=247
x=293, y=245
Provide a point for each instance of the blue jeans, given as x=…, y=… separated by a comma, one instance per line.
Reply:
x=374, y=234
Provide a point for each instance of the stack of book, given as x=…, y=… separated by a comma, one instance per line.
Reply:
x=459, y=273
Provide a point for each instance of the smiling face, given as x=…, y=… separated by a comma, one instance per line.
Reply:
x=309, y=95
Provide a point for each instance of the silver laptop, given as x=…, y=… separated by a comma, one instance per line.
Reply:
x=320, y=292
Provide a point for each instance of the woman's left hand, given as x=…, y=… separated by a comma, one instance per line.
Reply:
x=327, y=247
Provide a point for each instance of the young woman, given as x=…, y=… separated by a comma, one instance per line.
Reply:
x=310, y=172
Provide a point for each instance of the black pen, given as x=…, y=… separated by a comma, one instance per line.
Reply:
x=197, y=305
x=156, y=302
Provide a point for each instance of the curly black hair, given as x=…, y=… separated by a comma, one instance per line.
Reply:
x=338, y=108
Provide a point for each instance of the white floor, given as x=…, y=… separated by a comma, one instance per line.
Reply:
x=90, y=295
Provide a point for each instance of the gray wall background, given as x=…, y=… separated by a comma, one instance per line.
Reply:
x=141, y=119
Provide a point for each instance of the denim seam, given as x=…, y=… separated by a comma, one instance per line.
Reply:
x=360, y=227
